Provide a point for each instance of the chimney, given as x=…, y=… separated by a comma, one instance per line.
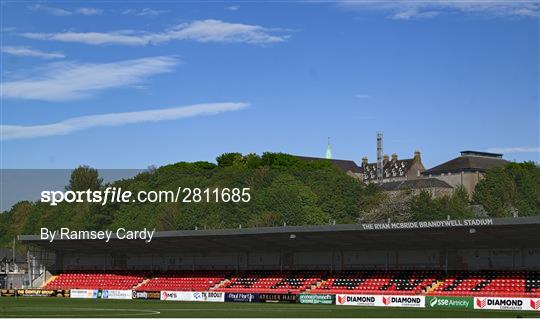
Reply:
x=394, y=157
x=385, y=159
x=417, y=154
x=364, y=161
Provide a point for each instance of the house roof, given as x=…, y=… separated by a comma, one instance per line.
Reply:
x=467, y=163
x=392, y=168
x=345, y=165
x=479, y=153
x=415, y=184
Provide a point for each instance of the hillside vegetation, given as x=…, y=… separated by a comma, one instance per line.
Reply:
x=284, y=190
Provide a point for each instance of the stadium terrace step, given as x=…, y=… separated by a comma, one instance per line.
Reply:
x=184, y=281
x=52, y=278
x=221, y=284
x=141, y=283
x=434, y=286
x=409, y=282
x=121, y=280
x=490, y=283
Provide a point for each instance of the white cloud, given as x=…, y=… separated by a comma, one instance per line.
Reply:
x=509, y=150
x=146, y=12
x=50, y=10
x=200, y=31
x=10, y=132
x=89, y=11
x=414, y=9
x=94, y=38
x=25, y=51
x=363, y=96
x=69, y=80
x=233, y=8
x=414, y=14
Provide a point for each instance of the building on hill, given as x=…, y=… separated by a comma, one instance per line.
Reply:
x=394, y=169
x=409, y=174
x=435, y=187
x=466, y=170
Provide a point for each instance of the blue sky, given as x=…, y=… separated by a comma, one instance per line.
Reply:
x=128, y=85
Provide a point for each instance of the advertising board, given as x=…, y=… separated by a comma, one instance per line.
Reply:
x=208, y=296
x=380, y=300
x=83, y=293
x=287, y=298
x=146, y=295
x=449, y=302
x=316, y=299
x=502, y=303
x=241, y=297
x=116, y=294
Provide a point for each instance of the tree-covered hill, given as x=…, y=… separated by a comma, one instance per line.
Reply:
x=283, y=189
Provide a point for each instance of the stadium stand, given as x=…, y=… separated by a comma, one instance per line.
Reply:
x=292, y=282
x=95, y=280
x=491, y=283
x=184, y=281
x=406, y=282
x=399, y=282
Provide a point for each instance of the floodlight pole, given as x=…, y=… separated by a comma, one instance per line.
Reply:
x=380, y=155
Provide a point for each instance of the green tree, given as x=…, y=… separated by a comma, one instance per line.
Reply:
x=514, y=186
x=84, y=178
x=228, y=159
x=423, y=207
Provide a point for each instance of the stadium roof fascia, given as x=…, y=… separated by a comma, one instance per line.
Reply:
x=365, y=227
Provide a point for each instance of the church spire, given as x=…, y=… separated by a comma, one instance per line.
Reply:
x=328, y=150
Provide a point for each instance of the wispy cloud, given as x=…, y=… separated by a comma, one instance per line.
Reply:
x=69, y=80
x=414, y=9
x=200, y=31
x=26, y=51
x=363, y=96
x=50, y=10
x=232, y=8
x=63, y=12
x=89, y=11
x=10, y=132
x=510, y=150
x=146, y=12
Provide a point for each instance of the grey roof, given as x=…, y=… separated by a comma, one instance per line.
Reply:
x=467, y=163
x=500, y=232
x=421, y=183
x=480, y=153
x=344, y=165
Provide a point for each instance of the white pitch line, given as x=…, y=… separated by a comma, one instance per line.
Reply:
x=129, y=312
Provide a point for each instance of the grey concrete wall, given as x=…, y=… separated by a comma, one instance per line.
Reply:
x=465, y=179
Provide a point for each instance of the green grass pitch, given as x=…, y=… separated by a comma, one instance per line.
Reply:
x=60, y=307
